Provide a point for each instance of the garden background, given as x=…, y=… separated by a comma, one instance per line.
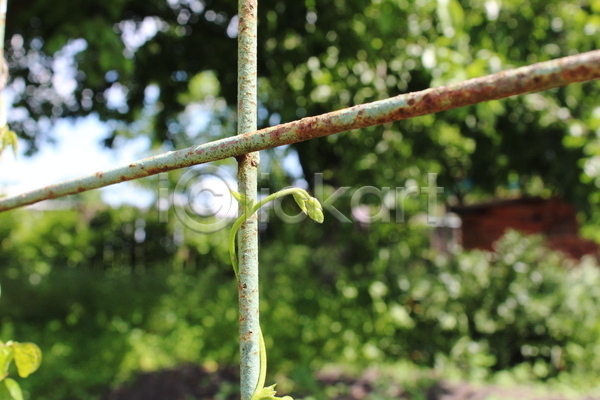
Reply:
x=110, y=292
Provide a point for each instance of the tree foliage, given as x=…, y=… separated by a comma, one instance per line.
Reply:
x=104, y=304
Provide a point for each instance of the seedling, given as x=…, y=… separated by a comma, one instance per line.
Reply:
x=311, y=207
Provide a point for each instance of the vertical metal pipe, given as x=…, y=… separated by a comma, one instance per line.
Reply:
x=247, y=181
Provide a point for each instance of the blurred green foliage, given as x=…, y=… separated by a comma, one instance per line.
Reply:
x=99, y=317
x=107, y=292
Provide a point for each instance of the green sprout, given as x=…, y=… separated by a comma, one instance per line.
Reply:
x=311, y=207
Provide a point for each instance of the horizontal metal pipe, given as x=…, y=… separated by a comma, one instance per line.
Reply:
x=533, y=78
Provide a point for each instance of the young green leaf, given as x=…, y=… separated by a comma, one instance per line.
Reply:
x=268, y=393
x=6, y=357
x=301, y=199
x=314, y=209
x=4, y=392
x=10, y=390
x=309, y=205
x=4, y=140
x=28, y=358
x=14, y=390
x=13, y=142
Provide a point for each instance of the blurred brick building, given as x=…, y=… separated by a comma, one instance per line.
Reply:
x=483, y=224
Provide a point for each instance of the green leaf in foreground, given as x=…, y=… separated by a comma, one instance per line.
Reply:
x=6, y=357
x=8, y=138
x=28, y=358
x=268, y=393
x=10, y=390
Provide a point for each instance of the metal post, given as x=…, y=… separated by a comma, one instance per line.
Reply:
x=247, y=178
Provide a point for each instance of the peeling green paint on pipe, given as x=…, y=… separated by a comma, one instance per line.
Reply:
x=533, y=78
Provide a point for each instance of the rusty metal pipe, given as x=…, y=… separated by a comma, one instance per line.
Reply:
x=247, y=184
x=533, y=78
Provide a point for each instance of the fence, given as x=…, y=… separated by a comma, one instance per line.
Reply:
x=244, y=146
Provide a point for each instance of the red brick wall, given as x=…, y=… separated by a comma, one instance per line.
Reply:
x=483, y=224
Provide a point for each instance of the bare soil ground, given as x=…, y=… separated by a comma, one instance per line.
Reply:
x=192, y=382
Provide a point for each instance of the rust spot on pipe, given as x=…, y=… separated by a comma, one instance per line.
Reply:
x=581, y=71
x=275, y=134
x=241, y=159
x=427, y=100
x=154, y=170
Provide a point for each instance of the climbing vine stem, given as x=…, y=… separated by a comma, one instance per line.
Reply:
x=311, y=207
